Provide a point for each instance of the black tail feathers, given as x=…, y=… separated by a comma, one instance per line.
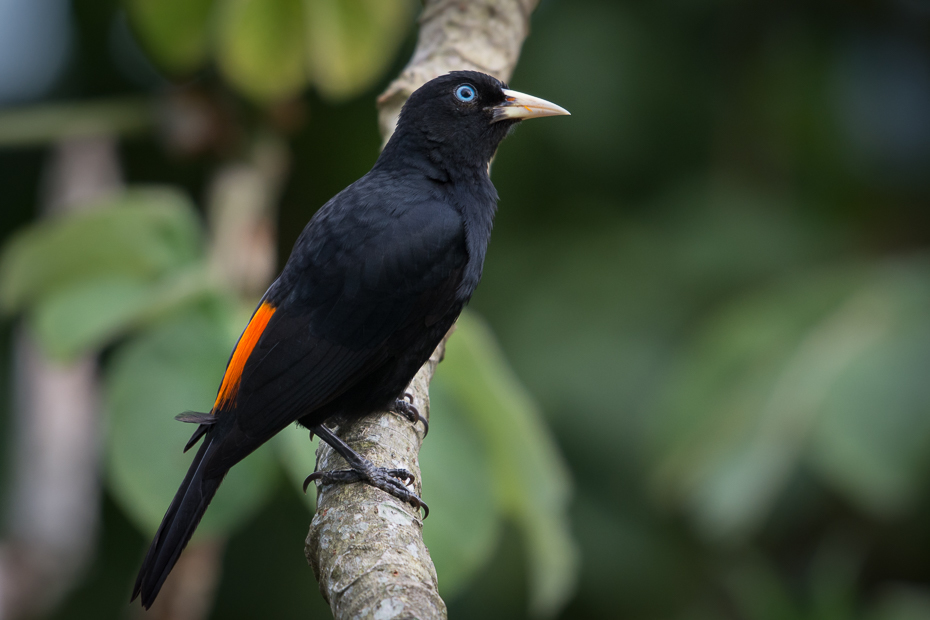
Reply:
x=205, y=420
x=177, y=527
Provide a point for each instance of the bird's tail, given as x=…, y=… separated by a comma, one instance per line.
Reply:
x=178, y=526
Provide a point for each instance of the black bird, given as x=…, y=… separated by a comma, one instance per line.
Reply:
x=375, y=280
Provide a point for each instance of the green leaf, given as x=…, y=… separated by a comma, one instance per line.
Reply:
x=822, y=367
x=351, y=42
x=260, y=47
x=736, y=415
x=87, y=315
x=170, y=369
x=141, y=234
x=82, y=315
x=40, y=124
x=531, y=481
x=464, y=525
x=901, y=601
x=175, y=32
x=872, y=440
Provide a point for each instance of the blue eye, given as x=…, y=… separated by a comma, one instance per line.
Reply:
x=465, y=93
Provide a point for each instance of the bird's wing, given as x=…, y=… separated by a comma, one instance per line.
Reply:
x=336, y=316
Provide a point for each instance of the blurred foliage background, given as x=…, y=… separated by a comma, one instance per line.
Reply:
x=704, y=325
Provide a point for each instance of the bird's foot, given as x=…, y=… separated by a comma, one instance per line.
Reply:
x=391, y=481
x=405, y=407
x=347, y=476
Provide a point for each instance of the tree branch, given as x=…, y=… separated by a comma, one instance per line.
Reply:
x=366, y=547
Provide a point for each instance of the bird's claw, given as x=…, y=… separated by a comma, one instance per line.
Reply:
x=405, y=407
x=391, y=481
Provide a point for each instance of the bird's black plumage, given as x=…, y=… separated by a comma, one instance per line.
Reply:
x=375, y=280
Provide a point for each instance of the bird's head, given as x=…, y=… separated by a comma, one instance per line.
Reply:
x=460, y=118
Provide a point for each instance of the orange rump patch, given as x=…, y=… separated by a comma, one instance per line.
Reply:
x=247, y=342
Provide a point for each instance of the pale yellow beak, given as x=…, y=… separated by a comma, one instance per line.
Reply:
x=520, y=106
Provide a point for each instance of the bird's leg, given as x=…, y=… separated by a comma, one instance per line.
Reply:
x=390, y=481
x=405, y=407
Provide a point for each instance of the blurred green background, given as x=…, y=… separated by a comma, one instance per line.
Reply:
x=693, y=384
